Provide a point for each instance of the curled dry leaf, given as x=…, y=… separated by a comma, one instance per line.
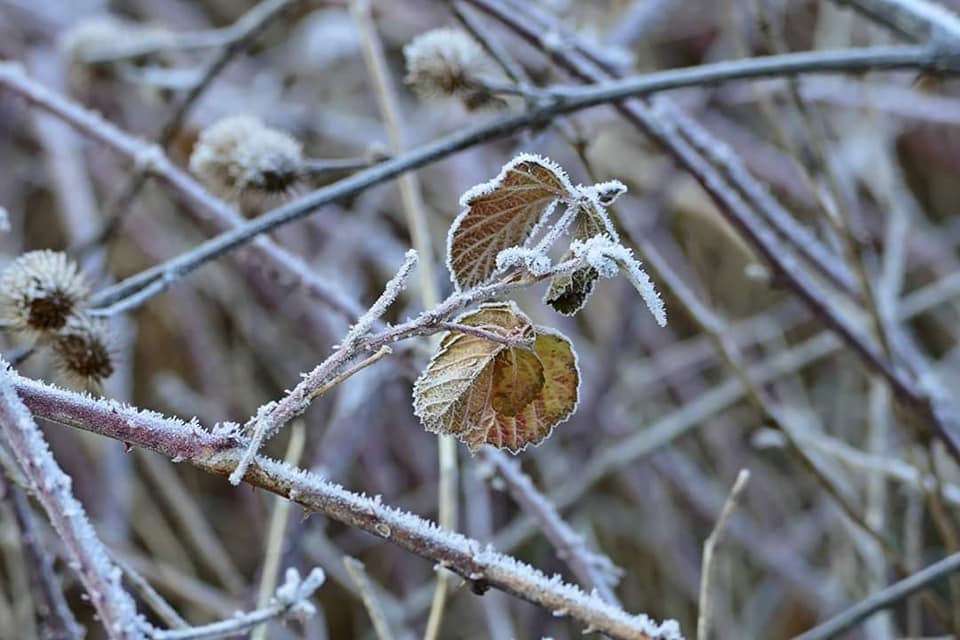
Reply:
x=502, y=213
x=486, y=392
x=568, y=292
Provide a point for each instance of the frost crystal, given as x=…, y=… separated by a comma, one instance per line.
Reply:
x=536, y=262
x=609, y=258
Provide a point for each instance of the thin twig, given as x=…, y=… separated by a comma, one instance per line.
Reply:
x=292, y=598
x=278, y=527
x=162, y=276
x=593, y=569
x=709, y=547
x=359, y=574
x=883, y=599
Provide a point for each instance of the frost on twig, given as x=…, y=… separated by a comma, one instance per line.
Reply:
x=291, y=600
x=218, y=454
x=391, y=292
x=272, y=416
x=87, y=556
x=609, y=259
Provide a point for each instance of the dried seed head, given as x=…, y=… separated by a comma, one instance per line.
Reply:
x=240, y=154
x=442, y=62
x=82, y=352
x=40, y=291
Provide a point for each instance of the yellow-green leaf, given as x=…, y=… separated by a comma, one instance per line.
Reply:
x=555, y=403
x=517, y=379
x=456, y=385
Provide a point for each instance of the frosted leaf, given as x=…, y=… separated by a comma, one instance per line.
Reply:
x=502, y=213
x=555, y=403
x=603, y=255
x=453, y=391
x=568, y=292
x=486, y=392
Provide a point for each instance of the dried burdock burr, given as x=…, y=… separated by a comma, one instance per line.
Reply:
x=41, y=291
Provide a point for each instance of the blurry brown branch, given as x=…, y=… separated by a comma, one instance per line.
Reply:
x=219, y=453
x=888, y=597
x=158, y=278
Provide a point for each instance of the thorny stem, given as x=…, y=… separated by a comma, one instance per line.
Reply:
x=219, y=454
x=271, y=417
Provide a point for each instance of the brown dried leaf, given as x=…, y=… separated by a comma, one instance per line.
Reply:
x=517, y=379
x=568, y=292
x=482, y=391
x=452, y=392
x=555, y=403
x=500, y=214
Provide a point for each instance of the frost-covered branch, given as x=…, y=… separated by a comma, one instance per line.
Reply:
x=101, y=578
x=291, y=599
x=272, y=416
x=218, y=452
x=53, y=613
x=595, y=570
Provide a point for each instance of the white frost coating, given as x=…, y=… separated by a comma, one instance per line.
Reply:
x=536, y=262
x=4, y=220
x=421, y=536
x=605, y=193
x=496, y=568
x=391, y=292
x=485, y=188
x=271, y=416
x=87, y=555
x=291, y=599
x=490, y=186
x=609, y=258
